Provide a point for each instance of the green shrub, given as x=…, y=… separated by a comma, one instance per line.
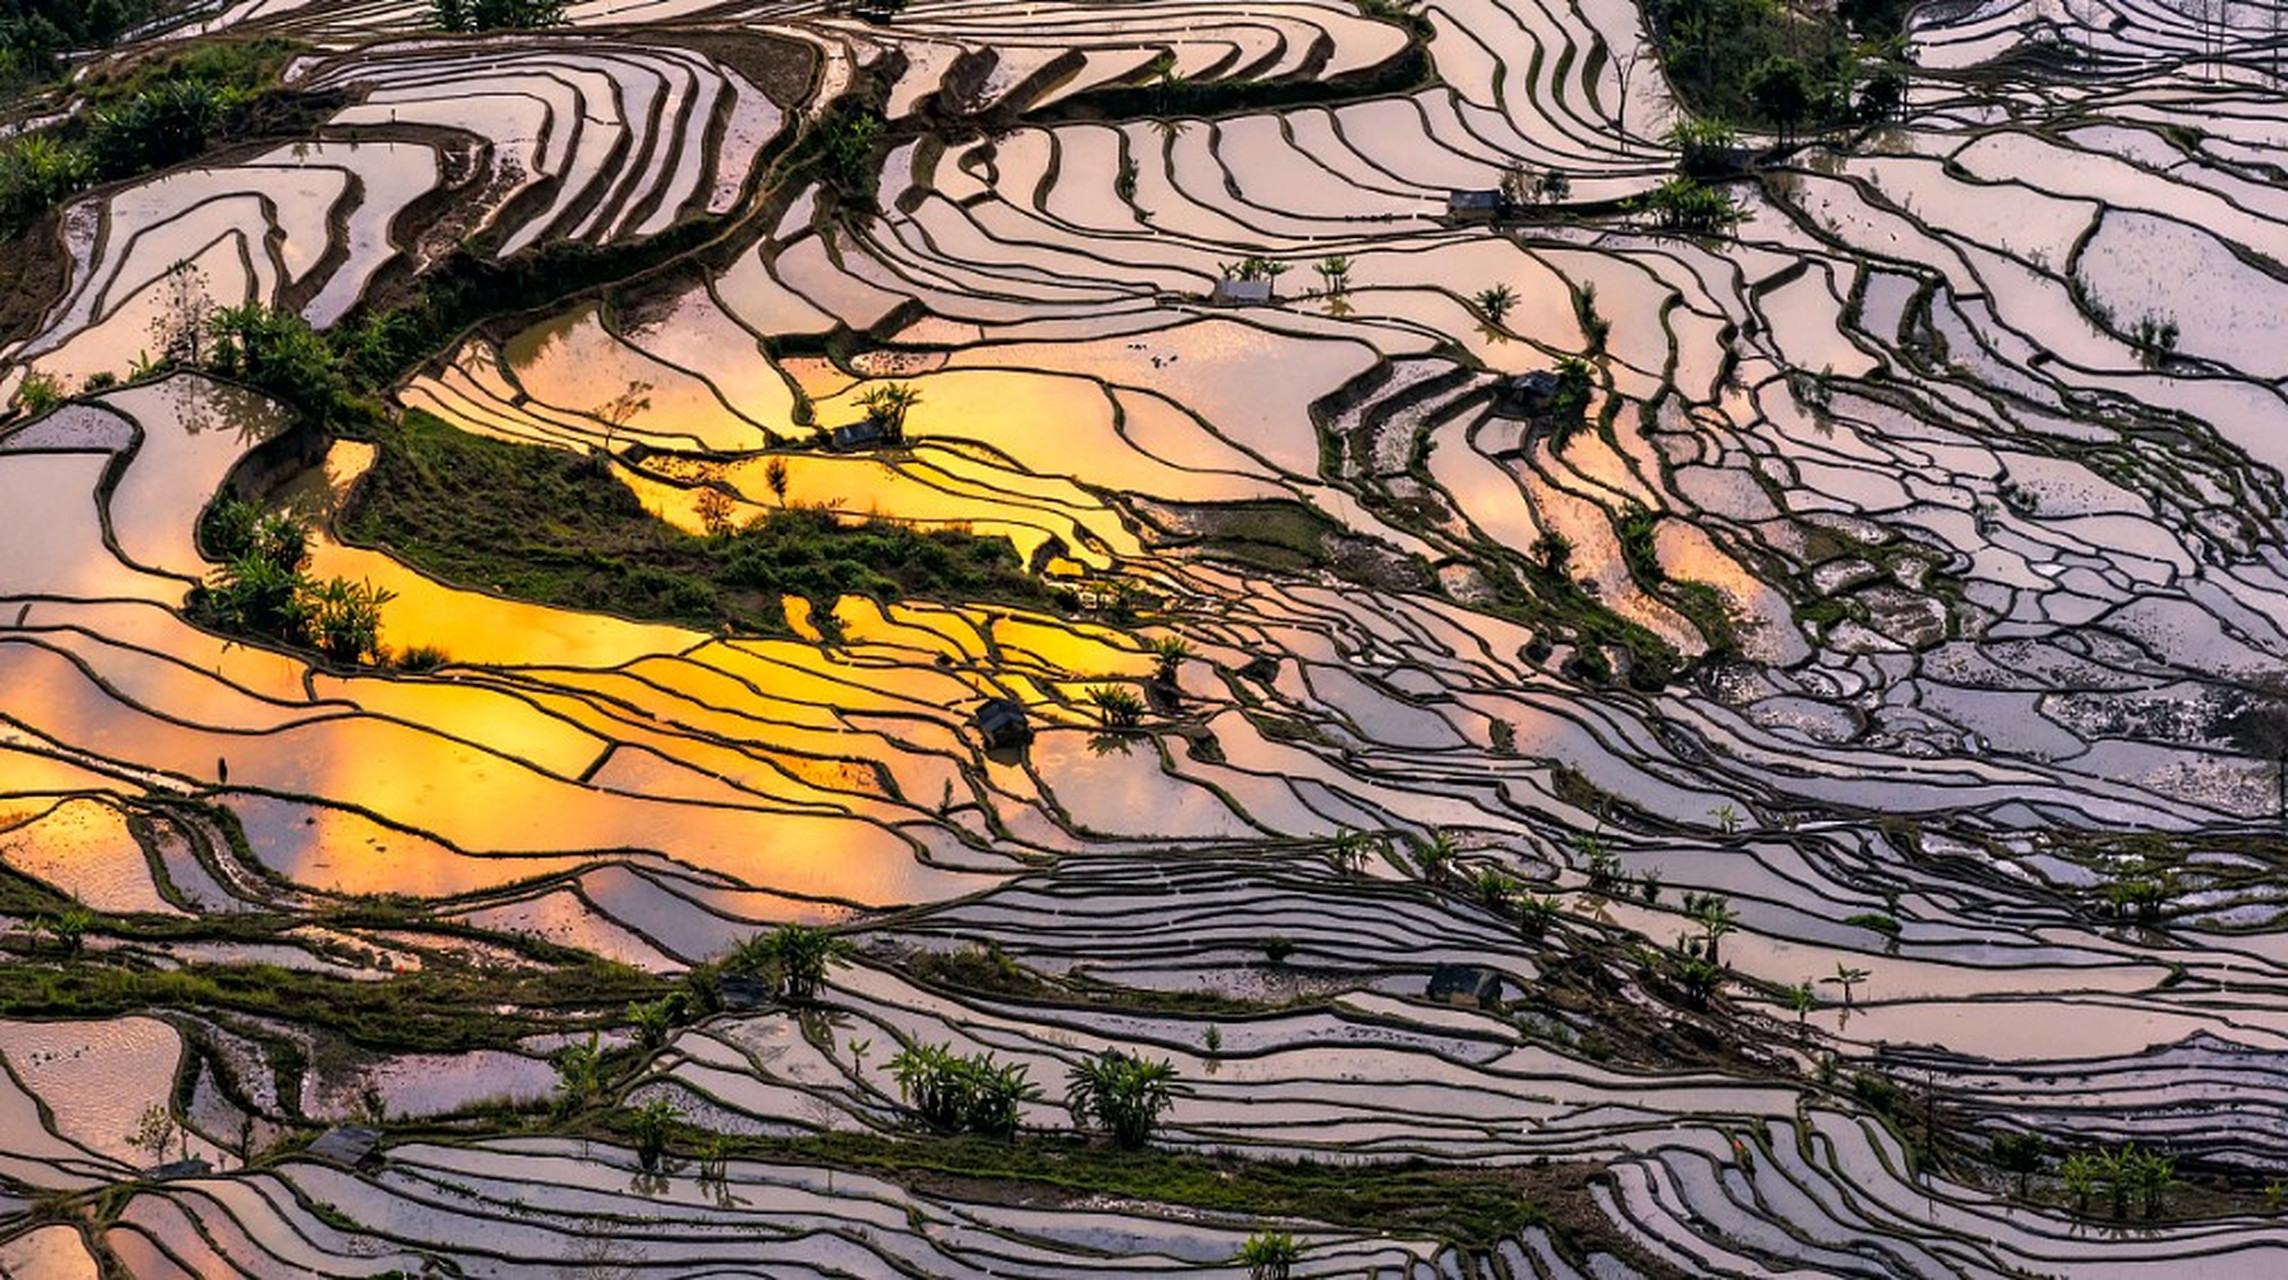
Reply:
x=958, y=1093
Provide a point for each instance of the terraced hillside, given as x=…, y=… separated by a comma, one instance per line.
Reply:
x=626, y=648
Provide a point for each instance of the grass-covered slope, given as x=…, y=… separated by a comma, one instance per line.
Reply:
x=560, y=529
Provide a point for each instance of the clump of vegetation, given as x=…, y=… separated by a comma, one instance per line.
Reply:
x=39, y=392
x=495, y=15
x=963, y=1093
x=652, y=1125
x=35, y=33
x=264, y=588
x=580, y=1074
x=1522, y=186
x=1683, y=204
x=275, y=351
x=1781, y=65
x=1121, y=1095
x=163, y=112
x=1120, y=707
x=560, y=529
x=1704, y=146
x=887, y=407
x=847, y=144
x=793, y=956
x=1569, y=404
x=1495, y=301
x=1269, y=1255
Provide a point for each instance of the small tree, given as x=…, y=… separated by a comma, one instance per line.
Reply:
x=617, y=412
x=153, y=1131
x=1335, y=273
x=1781, y=88
x=1715, y=916
x=775, y=475
x=715, y=509
x=1122, y=1095
x=2023, y=1154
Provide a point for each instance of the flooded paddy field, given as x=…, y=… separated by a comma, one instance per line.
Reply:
x=1045, y=538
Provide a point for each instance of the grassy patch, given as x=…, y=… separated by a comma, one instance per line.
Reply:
x=436, y=1010
x=1472, y=1207
x=559, y=529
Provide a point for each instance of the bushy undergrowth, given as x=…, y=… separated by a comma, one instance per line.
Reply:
x=33, y=33
x=264, y=588
x=162, y=112
x=1780, y=65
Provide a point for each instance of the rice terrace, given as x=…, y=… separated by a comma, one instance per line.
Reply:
x=1277, y=638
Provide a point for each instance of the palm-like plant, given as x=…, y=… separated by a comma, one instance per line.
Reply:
x=1700, y=977
x=579, y=1073
x=1494, y=886
x=1168, y=654
x=1496, y=302
x=343, y=619
x=888, y=405
x=1437, y=856
x=1121, y=708
x=1123, y=1095
x=70, y=928
x=1335, y=271
x=1602, y=865
x=1803, y=999
x=1846, y=977
x=955, y=1092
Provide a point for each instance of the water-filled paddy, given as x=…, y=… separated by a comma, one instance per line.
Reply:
x=1895, y=583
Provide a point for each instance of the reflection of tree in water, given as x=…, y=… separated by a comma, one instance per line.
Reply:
x=601, y=1257
x=179, y=330
x=189, y=402
x=195, y=406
